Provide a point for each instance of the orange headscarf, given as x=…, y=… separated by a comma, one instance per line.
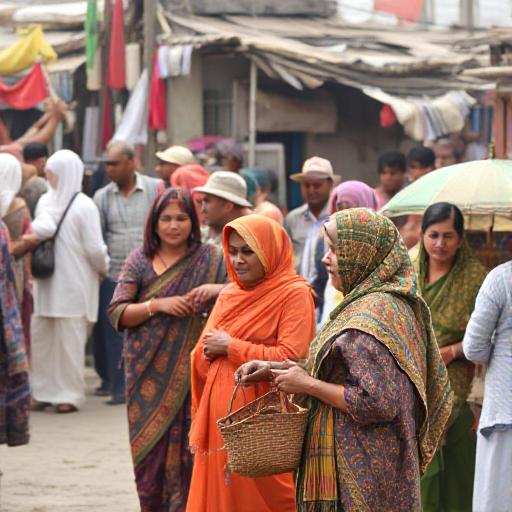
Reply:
x=189, y=177
x=252, y=314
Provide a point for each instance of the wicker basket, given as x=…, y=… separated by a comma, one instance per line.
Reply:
x=265, y=436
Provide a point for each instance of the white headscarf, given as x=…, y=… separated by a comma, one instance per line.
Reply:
x=10, y=181
x=69, y=170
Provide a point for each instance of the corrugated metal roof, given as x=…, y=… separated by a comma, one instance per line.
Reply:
x=404, y=62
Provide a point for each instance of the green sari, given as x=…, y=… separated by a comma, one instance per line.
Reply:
x=448, y=483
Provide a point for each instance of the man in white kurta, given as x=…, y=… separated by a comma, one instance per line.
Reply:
x=66, y=302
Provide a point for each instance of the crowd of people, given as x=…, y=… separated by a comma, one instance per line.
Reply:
x=190, y=281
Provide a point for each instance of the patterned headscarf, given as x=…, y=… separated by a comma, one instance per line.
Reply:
x=381, y=299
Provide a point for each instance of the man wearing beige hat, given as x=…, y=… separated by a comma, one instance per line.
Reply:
x=170, y=159
x=303, y=224
x=225, y=199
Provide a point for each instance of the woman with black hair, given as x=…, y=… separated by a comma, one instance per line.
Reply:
x=162, y=300
x=450, y=276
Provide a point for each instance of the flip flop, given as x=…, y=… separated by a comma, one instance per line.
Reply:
x=66, y=408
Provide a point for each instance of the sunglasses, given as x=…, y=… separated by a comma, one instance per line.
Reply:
x=112, y=162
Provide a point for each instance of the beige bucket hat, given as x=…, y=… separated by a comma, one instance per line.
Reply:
x=178, y=155
x=227, y=185
x=316, y=167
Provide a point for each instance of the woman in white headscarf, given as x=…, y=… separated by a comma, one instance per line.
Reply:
x=16, y=216
x=67, y=301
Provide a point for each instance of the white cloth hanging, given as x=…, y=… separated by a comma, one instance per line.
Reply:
x=10, y=181
x=186, y=60
x=174, y=59
x=133, y=126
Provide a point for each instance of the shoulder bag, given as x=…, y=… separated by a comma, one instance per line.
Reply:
x=43, y=256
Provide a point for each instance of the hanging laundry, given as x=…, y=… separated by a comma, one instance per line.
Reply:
x=186, y=60
x=116, y=62
x=28, y=92
x=133, y=70
x=163, y=64
x=387, y=117
x=90, y=134
x=91, y=33
x=157, y=100
x=174, y=60
x=25, y=52
x=133, y=127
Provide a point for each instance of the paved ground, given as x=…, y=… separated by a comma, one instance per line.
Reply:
x=74, y=462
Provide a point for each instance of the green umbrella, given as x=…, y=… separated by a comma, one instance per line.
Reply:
x=482, y=189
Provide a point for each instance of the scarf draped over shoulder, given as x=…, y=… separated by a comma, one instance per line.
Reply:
x=382, y=299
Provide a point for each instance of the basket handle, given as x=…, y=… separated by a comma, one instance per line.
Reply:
x=233, y=397
x=285, y=401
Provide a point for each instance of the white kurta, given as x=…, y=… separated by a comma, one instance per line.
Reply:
x=58, y=363
x=65, y=302
x=80, y=257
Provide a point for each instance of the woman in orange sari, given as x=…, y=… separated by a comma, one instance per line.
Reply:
x=266, y=312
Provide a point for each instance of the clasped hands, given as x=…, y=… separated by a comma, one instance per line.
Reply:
x=287, y=376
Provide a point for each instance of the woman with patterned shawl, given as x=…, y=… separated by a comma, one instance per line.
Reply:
x=17, y=219
x=378, y=390
x=14, y=377
x=162, y=300
x=266, y=312
x=450, y=276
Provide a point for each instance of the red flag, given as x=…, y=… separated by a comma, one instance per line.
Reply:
x=116, y=58
x=26, y=93
x=157, y=100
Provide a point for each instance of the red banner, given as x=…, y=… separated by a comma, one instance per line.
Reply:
x=116, y=58
x=405, y=10
x=26, y=93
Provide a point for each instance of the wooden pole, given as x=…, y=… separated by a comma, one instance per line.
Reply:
x=252, y=113
x=150, y=16
x=105, y=46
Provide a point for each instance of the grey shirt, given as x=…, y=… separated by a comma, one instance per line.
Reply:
x=123, y=218
x=298, y=223
x=488, y=340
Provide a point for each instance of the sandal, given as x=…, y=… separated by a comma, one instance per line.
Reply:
x=66, y=408
x=36, y=405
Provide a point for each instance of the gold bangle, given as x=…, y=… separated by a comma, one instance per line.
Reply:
x=454, y=353
x=148, y=306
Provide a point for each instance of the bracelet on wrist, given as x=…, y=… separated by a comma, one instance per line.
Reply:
x=148, y=307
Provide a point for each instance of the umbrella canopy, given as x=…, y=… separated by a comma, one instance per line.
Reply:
x=482, y=189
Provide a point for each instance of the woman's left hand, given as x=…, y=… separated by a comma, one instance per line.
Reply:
x=216, y=344
x=293, y=380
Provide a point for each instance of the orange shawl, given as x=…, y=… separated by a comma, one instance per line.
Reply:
x=250, y=314
x=273, y=321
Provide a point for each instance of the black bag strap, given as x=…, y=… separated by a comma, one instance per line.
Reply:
x=64, y=215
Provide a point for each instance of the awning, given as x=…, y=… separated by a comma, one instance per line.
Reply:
x=308, y=52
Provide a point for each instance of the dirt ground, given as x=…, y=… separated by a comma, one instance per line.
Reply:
x=73, y=463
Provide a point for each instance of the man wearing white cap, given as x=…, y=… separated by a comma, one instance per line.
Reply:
x=302, y=224
x=170, y=159
x=225, y=199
